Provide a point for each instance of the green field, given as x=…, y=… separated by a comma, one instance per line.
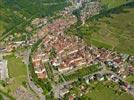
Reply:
x=15, y=15
x=17, y=72
x=102, y=92
x=96, y=90
x=2, y=26
x=49, y=70
x=113, y=3
x=117, y=31
x=130, y=79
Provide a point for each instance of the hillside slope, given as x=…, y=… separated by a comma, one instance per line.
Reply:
x=110, y=30
x=16, y=14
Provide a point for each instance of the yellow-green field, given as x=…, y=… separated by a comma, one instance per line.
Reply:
x=130, y=79
x=2, y=27
x=17, y=72
x=101, y=92
x=113, y=3
x=117, y=31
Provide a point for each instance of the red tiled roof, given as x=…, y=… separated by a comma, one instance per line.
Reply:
x=71, y=98
x=42, y=75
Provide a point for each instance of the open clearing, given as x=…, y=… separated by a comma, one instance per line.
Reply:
x=101, y=92
x=17, y=72
x=113, y=3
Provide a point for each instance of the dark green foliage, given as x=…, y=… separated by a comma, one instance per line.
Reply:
x=49, y=71
x=1, y=98
x=7, y=95
x=82, y=72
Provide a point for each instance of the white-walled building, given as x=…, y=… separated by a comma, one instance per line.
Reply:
x=3, y=70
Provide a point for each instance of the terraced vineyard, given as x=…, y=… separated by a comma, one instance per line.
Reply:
x=114, y=31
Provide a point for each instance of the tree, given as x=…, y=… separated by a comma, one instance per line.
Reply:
x=52, y=53
x=1, y=98
x=24, y=83
x=85, y=97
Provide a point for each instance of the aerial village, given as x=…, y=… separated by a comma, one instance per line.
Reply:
x=67, y=53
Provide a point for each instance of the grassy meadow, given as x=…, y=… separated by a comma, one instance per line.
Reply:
x=98, y=90
x=102, y=92
x=17, y=72
x=116, y=31
x=113, y=3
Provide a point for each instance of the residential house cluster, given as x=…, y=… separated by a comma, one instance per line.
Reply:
x=125, y=85
x=13, y=45
x=111, y=77
x=65, y=52
x=117, y=62
x=38, y=22
x=61, y=90
x=90, y=9
x=120, y=64
x=78, y=3
x=38, y=66
x=57, y=26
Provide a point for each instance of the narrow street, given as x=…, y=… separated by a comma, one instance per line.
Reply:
x=38, y=91
x=57, y=88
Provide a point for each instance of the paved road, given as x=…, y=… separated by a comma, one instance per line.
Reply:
x=58, y=87
x=37, y=90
